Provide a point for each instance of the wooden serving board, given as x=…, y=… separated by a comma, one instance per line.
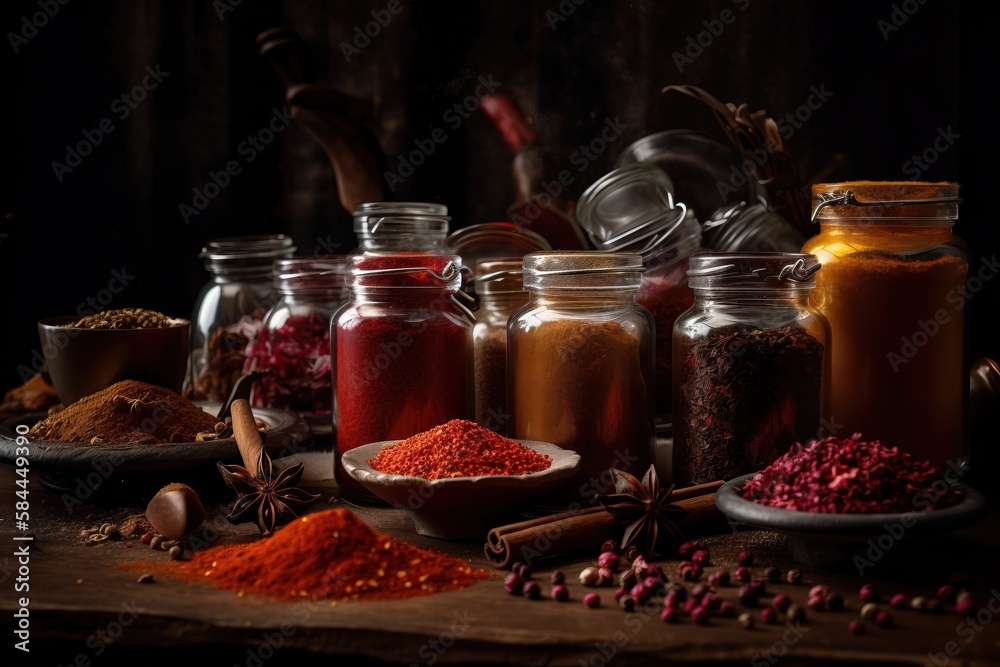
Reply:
x=77, y=591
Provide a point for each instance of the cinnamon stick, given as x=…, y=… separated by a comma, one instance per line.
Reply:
x=558, y=534
x=247, y=436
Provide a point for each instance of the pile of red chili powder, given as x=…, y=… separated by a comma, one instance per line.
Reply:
x=459, y=448
x=844, y=476
x=327, y=555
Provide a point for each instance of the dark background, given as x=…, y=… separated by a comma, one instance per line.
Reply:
x=61, y=240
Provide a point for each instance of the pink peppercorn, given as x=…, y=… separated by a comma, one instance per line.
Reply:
x=899, y=601
x=868, y=593
x=768, y=615
x=608, y=559
x=745, y=558
x=700, y=616
x=883, y=619
x=727, y=609
x=965, y=606
x=670, y=615
x=781, y=602
x=743, y=574
x=560, y=593
x=700, y=557
x=592, y=600
x=946, y=593
x=856, y=627
x=640, y=593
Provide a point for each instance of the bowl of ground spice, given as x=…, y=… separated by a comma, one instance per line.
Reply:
x=459, y=478
x=850, y=491
x=87, y=354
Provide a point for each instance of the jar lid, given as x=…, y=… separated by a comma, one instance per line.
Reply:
x=401, y=217
x=582, y=269
x=494, y=240
x=406, y=271
x=622, y=200
x=245, y=256
x=305, y=275
x=749, y=271
x=500, y=276
x=885, y=200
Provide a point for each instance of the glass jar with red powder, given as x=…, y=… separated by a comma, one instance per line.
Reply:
x=294, y=341
x=401, y=227
x=580, y=371
x=403, y=355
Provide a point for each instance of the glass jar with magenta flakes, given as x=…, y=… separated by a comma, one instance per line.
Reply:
x=401, y=227
x=893, y=287
x=294, y=342
x=750, y=364
x=580, y=371
x=402, y=352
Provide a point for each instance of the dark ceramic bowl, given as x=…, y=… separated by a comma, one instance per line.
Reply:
x=84, y=361
x=460, y=507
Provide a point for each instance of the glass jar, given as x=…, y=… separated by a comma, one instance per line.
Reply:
x=580, y=371
x=501, y=292
x=402, y=352
x=752, y=227
x=401, y=227
x=892, y=288
x=632, y=209
x=294, y=340
x=751, y=364
x=230, y=309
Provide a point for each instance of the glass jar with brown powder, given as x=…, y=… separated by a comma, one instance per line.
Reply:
x=892, y=287
x=580, y=371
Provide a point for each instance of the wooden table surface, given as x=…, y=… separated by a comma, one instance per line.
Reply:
x=79, y=599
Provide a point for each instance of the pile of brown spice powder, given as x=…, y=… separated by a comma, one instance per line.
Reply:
x=127, y=413
x=126, y=318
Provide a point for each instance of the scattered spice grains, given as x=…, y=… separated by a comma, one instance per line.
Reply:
x=843, y=476
x=126, y=318
x=327, y=555
x=459, y=448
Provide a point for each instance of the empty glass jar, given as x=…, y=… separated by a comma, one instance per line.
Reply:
x=401, y=227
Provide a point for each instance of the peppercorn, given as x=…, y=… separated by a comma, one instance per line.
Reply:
x=146, y=538
x=176, y=552
x=590, y=576
x=712, y=601
x=856, y=627
x=677, y=590
x=669, y=615
x=745, y=558
x=640, y=567
x=655, y=570
x=795, y=614
x=781, y=602
x=627, y=579
x=531, y=590
x=633, y=553
x=869, y=611
x=700, y=557
x=748, y=596
x=522, y=569
x=773, y=574
x=609, y=546
x=965, y=606
x=605, y=577
x=816, y=604
x=819, y=591
x=513, y=583
x=759, y=586
x=557, y=578
x=794, y=576
x=768, y=616
x=619, y=593
x=835, y=601
x=727, y=609
x=743, y=574
x=962, y=595
x=627, y=602
x=592, y=600
x=898, y=601
x=690, y=605
x=698, y=591
x=654, y=584
x=868, y=593
x=722, y=577
x=700, y=616
x=935, y=606
x=746, y=620
x=918, y=603
x=560, y=593
x=883, y=619
x=640, y=593
x=946, y=593
x=609, y=560
x=692, y=573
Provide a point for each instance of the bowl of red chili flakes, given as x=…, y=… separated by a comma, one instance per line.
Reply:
x=458, y=479
x=848, y=501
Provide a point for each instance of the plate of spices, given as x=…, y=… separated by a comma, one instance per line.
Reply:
x=459, y=478
x=848, y=491
x=137, y=426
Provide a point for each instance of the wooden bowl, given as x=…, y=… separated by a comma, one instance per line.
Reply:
x=460, y=507
x=84, y=361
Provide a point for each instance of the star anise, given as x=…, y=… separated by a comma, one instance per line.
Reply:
x=269, y=501
x=645, y=507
